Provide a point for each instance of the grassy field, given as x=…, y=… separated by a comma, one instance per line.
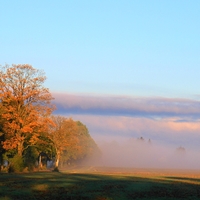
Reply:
x=101, y=184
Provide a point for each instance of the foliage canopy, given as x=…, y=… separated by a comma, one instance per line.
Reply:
x=27, y=126
x=25, y=106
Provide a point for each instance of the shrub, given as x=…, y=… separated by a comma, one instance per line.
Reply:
x=16, y=164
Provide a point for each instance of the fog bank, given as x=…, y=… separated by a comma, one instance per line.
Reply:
x=140, y=153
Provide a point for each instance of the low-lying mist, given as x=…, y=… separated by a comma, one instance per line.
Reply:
x=139, y=153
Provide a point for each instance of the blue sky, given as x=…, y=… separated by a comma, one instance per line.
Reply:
x=142, y=47
x=113, y=54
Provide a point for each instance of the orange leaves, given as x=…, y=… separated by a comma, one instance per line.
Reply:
x=6, y=116
x=63, y=135
x=13, y=142
x=25, y=104
x=27, y=129
x=34, y=139
x=71, y=139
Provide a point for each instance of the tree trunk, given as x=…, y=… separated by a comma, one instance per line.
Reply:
x=57, y=159
x=20, y=149
x=40, y=161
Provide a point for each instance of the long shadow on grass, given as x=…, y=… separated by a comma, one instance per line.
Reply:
x=92, y=187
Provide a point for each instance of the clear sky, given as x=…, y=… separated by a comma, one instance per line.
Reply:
x=134, y=61
x=132, y=47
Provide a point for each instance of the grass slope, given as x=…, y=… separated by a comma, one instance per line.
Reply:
x=100, y=184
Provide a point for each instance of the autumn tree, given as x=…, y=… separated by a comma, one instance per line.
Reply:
x=63, y=135
x=26, y=106
x=71, y=140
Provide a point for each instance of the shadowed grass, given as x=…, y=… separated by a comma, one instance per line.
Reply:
x=110, y=185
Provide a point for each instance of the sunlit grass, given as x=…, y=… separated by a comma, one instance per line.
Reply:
x=101, y=184
x=40, y=187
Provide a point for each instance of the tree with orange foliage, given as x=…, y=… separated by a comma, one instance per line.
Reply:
x=26, y=106
x=71, y=140
x=63, y=136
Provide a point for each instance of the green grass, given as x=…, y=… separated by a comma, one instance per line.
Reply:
x=98, y=185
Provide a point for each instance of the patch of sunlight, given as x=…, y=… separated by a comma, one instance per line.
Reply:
x=40, y=187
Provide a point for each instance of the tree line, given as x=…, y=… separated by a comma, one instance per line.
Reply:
x=28, y=127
